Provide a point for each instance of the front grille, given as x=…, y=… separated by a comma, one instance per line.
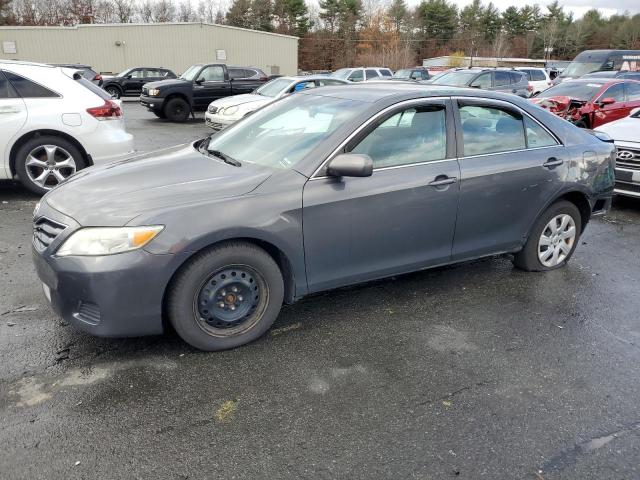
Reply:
x=45, y=231
x=628, y=158
x=88, y=313
x=629, y=187
x=213, y=109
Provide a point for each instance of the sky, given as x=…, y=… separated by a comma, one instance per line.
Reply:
x=578, y=7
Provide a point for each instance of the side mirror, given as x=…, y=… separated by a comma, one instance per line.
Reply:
x=475, y=85
x=350, y=165
x=607, y=101
x=199, y=80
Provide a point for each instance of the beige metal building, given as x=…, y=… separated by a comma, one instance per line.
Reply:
x=112, y=48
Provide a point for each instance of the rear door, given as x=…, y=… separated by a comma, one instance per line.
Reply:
x=502, y=82
x=399, y=219
x=507, y=175
x=210, y=86
x=13, y=115
x=243, y=80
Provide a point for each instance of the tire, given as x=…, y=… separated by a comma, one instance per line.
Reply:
x=176, y=110
x=199, y=298
x=159, y=114
x=47, y=153
x=114, y=91
x=534, y=257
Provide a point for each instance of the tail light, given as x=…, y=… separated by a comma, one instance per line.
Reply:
x=264, y=78
x=108, y=111
x=530, y=88
x=98, y=77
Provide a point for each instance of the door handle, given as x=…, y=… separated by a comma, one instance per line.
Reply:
x=443, y=181
x=553, y=162
x=9, y=110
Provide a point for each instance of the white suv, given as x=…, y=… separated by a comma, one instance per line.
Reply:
x=54, y=122
x=539, y=79
x=362, y=74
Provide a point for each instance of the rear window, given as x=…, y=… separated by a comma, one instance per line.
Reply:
x=94, y=88
x=29, y=89
x=385, y=73
x=537, y=75
x=517, y=77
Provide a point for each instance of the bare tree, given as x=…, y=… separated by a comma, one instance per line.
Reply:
x=145, y=10
x=123, y=10
x=186, y=13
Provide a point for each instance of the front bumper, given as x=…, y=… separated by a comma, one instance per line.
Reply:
x=627, y=182
x=152, y=103
x=218, y=122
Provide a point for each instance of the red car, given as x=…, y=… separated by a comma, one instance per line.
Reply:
x=589, y=103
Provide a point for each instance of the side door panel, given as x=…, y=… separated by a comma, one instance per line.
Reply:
x=501, y=193
x=358, y=229
x=214, y=86
x=13, y=115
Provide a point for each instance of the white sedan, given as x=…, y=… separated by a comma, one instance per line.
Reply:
x=54, y=122
x=626, y=135
x=225, y=111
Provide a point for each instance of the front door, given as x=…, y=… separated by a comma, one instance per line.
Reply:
x=210, y=86
x=133, y=82
x=401, y=218
x=613, y=111
x=510, y=166
x=13, y=115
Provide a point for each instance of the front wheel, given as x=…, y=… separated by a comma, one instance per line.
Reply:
x=553, y=239
x=176, y=110
x=115, y=92
x=225, y=297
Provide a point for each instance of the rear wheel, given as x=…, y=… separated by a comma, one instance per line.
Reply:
x=46, y=161
x=553, y=239
x=176, y=110
x=225, y=297
x=114, y=91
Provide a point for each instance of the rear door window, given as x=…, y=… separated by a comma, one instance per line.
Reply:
x=371, y=74
x=482, y=81
x=386, y=72
x=517, y=77
x=29, y=89
x=633, y=92
x=502, y=78
x=487, y=129
x=538, y=76
x=236, y=73
x=6, y=91
x=537, y=136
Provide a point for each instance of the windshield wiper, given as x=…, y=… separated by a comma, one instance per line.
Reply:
x=224, y=157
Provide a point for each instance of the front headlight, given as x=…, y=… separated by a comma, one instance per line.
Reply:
x=107, y=240
x=230, y=110
x=154, y=92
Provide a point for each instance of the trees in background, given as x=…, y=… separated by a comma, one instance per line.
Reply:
x=336, y=33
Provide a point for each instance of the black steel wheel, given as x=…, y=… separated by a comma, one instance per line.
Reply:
x=225, y=296
x=176, y=109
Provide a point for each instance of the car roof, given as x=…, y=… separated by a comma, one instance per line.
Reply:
x=29, y=64
x=296, y=78
x=372, y=92
x=605, y=81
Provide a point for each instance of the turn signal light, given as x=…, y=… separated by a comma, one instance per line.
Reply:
x=108, y=111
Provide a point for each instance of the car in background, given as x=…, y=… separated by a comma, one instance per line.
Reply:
x=87, y=72
x=197, y=87
x=623, y=74
x=496, y=80
x=226, y=111
x=322, y=189
x=415, y=73
x=362, y=74
x=130, y=81
x=591, y=102
x=591, y=61
x=54, y=122
x=539, y=79
x=626, y=135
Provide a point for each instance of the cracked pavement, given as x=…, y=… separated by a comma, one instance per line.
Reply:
x=472, y=371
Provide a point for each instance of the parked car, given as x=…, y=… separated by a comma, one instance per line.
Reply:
x=54, y=122
x=626, y=134
x=362, y=74
x=321, y=189
x=590, y=61
x=589, y=103
x=87, y=71
x=506, y=81
x=196, y=88
x=622, y=74
x=222, y=113
x=415, y=73
x=539, y=79
x=130, y=81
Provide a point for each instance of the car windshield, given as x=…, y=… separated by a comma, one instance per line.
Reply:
x=281, y=134
x=405, y=73
x=577, y=69
x=274, y=87
x=123, y=73
x=191, y=72
x=456, y=79
x=584, y=91
x=342, y=73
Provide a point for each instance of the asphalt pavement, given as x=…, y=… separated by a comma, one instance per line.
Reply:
x=472, y=371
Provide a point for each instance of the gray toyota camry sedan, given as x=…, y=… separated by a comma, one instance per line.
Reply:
x=315, y=191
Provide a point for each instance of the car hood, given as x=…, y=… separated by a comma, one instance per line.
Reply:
x=116, y=193
x=624, y=130
x=171, y=82
x=242, y=99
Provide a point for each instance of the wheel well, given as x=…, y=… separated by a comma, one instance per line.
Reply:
x=115, y=85
x=274, y=252
x=38, y=133
x=580, y=201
